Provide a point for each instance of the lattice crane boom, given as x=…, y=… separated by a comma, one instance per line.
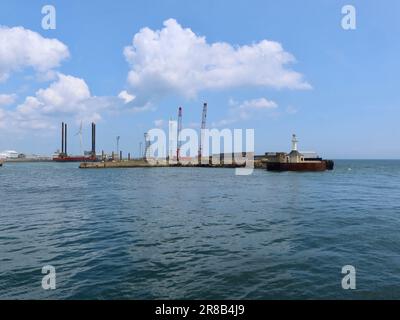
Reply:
x=179, y=132
x=203, y=126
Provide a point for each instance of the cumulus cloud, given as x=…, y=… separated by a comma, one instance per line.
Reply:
x=245, y=110
x=258, y=104
x=7, y=99
x=126, y=97
x=175, y=59
x=247, y=107
x=62, y=96
x=22, y=48
x=66, y=97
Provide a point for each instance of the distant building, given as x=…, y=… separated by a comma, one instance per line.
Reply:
x=310, y=155
x=9, y=154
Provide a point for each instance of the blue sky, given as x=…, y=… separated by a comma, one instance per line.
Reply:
x=350, y=109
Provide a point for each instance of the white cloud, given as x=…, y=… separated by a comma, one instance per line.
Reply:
x=21, y=48
x=177, y=60
x=245, y=110
x=126, y=97
x=64, y=95
x=7, y=99
x=67, y=97
x=258, y=104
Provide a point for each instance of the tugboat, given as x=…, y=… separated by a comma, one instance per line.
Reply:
x=296, y=161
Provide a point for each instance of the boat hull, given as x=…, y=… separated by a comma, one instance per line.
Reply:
x=301, y=166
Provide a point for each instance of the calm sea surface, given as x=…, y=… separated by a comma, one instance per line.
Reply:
x=193, y=233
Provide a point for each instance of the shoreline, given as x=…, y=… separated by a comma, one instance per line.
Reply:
x=27, y=160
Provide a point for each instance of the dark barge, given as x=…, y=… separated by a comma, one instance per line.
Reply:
x=296, y=161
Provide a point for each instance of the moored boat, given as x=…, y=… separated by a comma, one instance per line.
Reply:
x=320, y=165
x=296, y=161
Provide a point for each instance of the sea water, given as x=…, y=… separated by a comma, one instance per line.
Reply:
x=199, y=233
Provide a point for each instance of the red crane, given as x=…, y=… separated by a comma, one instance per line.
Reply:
x=203, y=126
x=179, y=132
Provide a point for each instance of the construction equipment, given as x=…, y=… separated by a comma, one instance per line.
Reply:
x=203, y=127
x=179, y=132
x=63, y=155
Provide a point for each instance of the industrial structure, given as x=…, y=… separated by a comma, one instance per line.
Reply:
x=272, y=161
x=202, y=128
x=9, y=154
x=174, y=154
x=179, y=144
x=296, y=161
x=63, y=155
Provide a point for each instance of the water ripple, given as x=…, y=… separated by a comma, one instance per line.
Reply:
x=199, y=233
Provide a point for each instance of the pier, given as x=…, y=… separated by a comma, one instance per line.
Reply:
x=141, y=163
